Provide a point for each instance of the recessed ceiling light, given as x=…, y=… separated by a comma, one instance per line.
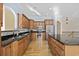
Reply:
x=50, y=8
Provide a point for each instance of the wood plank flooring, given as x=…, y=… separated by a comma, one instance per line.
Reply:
x=38, y=48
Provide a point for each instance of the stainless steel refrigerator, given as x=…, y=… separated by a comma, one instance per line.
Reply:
x=50, y=29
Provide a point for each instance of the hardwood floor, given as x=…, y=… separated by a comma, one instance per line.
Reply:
x=38, y=48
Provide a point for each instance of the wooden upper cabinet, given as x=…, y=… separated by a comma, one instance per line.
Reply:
x=39, y=23
x=1, y=14
x=31, y=24
x=23, y=21
x=49, y=22
x=35, y=24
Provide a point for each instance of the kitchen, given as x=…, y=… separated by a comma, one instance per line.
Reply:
x=42, y=29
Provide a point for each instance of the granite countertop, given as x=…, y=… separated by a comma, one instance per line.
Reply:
x=9, y=36
x=68, y=40
x=10, y=40
x=35, y=30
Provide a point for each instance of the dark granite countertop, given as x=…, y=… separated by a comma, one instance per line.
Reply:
x=9, y=36
x=10, y=40
x=67, y=40
x=36, y=31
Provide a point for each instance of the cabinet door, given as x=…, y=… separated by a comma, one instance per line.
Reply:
x=31, y=24
x=45, y=22
x=20, y=47
x=29, y=38
x=56, y=47
x=1, y=14
x=43, y=35
x=33, y=36
x=23, y=21
x=14, y=48
x=26, y=43
x=24, y=47
x=35, y=24
x=51, y=22
x=6, y=51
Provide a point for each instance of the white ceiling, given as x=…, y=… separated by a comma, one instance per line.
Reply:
x=41, y=11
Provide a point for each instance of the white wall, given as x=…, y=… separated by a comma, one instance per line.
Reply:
x=9, y=19
x=73, y=24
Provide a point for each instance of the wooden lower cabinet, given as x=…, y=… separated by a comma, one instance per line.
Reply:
x=71, y=50
x=20, y=46
x=56, y=47
x=44, y=36
x=59, y=49
x=26, y=42
x=28, y=37
x=10, y=50
x=16, y=48
x=23, y=44
x=6, y=51
x=33, y=36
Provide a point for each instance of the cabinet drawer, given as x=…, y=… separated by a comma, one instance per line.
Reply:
x=59, y=51
x=6, y=51
x=60, y=45
x=56, y=47
x=54, y=52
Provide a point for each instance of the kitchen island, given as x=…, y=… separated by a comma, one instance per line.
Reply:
x=63, y=46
